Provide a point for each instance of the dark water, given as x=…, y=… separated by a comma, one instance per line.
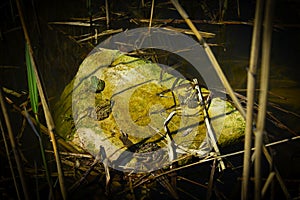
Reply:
x=58, y=58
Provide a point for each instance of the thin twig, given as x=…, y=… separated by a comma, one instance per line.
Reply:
x=79, y=155
x=9, y=162
x=238, y=8
x=97, y=159
x=225, y=156
x=283, y=110
x=279, y=124
x=107, y=32
x=151, y=14
x=211, y=180
x=191, y=181
x=13, y=146
x=189, y=32
x=199, y=21
x=107, y=13
x=12, y=92
x=211, y=57
x=131, y=188
x=48, y=177
x=42, y=127
x=84, y=24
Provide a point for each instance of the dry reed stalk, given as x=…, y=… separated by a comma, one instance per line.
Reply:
x=270, y=116
x=131, y=189
x=264, y=85
x=238, y=8
x=283, y=109
x=144, y=179
x=12, y=92
x=210, y=55
x=78, y=155
x=211, y=180
x=151, y=14
x=267, y=183
x=101, y=156
x=13, y=146
x=189, y=32
x=200, y=21
x=84, y=24
x=250, y=96
x=107, y=13
x=42, y=127
x=106, y=32
x=191, y=181
x=209, y=158
x=9, y=162
x=49, y=119
x=87, y=19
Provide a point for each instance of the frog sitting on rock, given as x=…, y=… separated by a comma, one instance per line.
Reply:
x=102, y=106
x=96, y=85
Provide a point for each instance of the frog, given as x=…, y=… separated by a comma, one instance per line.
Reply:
x=103, y=109
x=96, y=85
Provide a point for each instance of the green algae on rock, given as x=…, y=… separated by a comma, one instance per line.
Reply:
x=136, y=97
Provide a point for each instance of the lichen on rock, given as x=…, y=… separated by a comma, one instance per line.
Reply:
x=137, y=97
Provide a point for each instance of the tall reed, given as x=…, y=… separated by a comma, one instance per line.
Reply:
x=34, y=101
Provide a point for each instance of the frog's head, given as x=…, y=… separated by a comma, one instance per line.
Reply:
x=97, y=85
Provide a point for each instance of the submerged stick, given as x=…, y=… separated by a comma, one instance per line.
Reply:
x=49, y=119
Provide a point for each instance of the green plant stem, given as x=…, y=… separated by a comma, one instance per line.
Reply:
x=37, y=133
x=48, y=116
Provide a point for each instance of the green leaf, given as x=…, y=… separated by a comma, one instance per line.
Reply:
x=32, y=86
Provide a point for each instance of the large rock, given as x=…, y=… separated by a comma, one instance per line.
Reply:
x=113, y=92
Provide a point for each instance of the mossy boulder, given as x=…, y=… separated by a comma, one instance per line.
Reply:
x=135, y=96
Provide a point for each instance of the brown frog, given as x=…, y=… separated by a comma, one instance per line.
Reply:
x=103, y=109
